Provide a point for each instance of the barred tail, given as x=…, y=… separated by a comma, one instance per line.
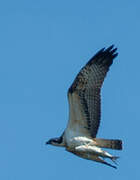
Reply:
x=109, y=143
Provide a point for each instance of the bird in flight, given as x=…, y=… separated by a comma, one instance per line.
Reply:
x=79, y=137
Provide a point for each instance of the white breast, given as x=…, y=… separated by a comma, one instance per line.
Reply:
x=74, y=139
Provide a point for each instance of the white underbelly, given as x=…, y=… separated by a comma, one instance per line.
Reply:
x=74, y=139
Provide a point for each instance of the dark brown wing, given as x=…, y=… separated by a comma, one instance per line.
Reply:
x=84, y=93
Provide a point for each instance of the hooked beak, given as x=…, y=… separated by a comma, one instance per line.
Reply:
x=48, y=142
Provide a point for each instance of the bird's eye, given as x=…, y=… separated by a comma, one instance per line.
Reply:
x=55, y=140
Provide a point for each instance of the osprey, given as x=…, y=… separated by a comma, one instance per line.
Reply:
x=79, y=136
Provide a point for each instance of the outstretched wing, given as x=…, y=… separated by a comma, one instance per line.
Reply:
x=84, y=93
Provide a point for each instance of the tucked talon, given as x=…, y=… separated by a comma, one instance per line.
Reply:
x=79, y=137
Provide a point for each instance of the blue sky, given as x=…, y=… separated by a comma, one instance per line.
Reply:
x=43, y=45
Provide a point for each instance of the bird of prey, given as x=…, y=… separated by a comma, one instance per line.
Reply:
x=79, y=137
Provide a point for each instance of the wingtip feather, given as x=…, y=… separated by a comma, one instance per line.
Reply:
x=104, y=56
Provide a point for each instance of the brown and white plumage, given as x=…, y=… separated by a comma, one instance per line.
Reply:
x=84, y=110
x=87, y=86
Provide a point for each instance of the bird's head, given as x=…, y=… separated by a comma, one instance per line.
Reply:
x=56, y=141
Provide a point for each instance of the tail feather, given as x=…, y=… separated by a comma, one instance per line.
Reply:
x=109, y=143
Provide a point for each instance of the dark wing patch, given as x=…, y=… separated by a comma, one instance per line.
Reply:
x=91, y=109
x=88, y=83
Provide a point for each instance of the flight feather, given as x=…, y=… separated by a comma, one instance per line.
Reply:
x=87, y=86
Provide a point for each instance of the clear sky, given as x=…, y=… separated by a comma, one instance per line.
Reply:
x=43, y=45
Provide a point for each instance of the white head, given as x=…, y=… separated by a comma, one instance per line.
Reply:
x=56, y=141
